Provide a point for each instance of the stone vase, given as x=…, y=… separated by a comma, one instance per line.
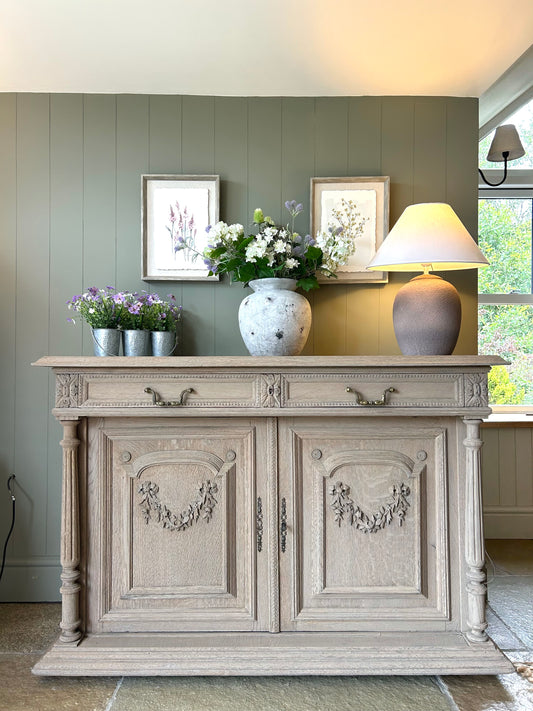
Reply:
x=106, y=341
x=137, y=342
x=275, y=319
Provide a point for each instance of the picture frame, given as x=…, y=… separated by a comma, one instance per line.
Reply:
x=177, y=208
x=370, y=196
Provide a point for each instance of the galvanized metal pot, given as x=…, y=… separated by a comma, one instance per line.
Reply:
x=136, y=343
x=164, y=343
x=106, y=341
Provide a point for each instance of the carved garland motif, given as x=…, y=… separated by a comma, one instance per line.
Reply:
x=152, y=507
x=344, y=506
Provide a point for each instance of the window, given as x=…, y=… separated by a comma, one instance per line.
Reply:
x=506, y=287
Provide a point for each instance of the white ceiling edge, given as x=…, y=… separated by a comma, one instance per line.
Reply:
x=508, y=94
x=240, y=48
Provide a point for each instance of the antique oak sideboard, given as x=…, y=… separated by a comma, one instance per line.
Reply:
x=259, y=516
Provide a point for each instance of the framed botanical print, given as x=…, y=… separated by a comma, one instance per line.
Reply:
x=361, y=207
x=176, y=210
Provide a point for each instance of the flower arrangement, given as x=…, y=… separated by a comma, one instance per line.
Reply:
x=162, y=315
x=275, y=251
x=107, y=308
x=100, y=308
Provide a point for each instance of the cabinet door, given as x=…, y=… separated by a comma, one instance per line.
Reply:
x=366, y=545
x=171, y=519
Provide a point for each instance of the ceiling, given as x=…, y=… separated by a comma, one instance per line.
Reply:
x=261, y=47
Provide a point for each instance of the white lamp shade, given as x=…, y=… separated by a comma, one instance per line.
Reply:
x=428, y=234
x=505, y=139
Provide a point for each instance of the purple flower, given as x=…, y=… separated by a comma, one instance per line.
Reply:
x=208, y=228
x=293, y=207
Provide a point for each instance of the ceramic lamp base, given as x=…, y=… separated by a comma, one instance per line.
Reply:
x=427, y=316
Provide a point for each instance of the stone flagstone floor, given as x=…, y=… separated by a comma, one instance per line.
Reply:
x=26, y=630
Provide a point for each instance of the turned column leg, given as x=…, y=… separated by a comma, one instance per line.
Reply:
x=70, y=537
x=476, y=587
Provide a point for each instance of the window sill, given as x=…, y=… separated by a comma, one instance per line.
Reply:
x=510, y=415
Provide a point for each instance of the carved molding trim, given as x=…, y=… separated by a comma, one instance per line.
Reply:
x=476, y=390
x=145, y=401
x=364, y=379
x=67, y=389
x=216, y=465
x=346, y=509
x=271, y=517
x=153, y=508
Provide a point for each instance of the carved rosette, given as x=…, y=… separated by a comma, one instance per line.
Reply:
x=271, y=390
x=476, y=390
x=67, y=390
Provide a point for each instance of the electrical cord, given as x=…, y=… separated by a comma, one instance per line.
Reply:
x=12, y=477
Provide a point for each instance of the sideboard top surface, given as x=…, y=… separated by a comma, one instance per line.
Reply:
x=260, y=363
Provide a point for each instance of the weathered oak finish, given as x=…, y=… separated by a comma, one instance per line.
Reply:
x=267, y=523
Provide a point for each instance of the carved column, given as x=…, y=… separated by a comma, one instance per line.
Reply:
x=70, y=536
x=476, y=587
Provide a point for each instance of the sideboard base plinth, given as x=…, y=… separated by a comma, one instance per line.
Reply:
x=264, y=654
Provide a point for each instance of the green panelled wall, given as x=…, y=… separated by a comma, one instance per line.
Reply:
x=70, y=168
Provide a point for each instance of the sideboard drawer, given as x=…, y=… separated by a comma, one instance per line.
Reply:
x=352, y=390
x=194, y=390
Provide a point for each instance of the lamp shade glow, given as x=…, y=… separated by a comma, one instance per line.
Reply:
x=505, y=139
x=427, y=310
x=428, y=234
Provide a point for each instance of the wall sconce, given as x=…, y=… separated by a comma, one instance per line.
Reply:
x=505, y=146
x=427, y=310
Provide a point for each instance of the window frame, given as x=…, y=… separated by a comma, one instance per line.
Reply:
x=519, y=184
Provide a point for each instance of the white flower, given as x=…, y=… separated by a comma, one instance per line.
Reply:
x=269, y=233
x=291, y=263
x=279, y=246
x=235, y=232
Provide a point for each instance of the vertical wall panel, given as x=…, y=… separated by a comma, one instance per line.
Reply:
x=524, y=466
x=132, y=159
x=32, y=316
x=397, y=161
x=8, y=264
x=461, y=193
x=264, y=156
x=489, y=463
x=99, y=196
x=331, y=159
x=298, y=167
x=66, y=264
x=429, y=150
x=165, y=135
x=198, y=140
x=231, y=163
x=164, y=158
x=507, y=466
x=364, y=136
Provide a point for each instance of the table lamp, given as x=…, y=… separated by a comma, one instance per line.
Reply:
x=427, y=310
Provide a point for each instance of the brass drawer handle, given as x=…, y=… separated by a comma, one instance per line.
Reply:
x=370, y=403
x=168, y=403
